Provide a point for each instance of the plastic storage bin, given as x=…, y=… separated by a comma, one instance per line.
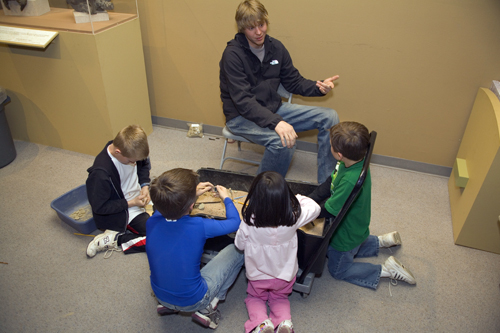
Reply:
x=69, y=203
x=308, y=244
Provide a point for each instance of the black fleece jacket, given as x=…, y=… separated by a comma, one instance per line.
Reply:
x=249, y=87
x=109, y=206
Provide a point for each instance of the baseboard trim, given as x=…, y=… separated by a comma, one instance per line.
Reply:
x=388, y=161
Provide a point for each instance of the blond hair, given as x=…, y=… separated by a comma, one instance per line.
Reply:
x=132, y=142
x=249, y=14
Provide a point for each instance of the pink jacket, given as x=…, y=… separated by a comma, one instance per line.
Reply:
x=271, y=253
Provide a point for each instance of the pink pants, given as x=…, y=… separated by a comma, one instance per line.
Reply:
x=275, y=292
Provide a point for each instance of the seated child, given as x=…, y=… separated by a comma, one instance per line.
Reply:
x=352, y=239
x=118, y=190
x=175, y=246
x=272, y=215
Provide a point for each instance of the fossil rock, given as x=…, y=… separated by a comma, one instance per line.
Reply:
x=22, y=3
x=95, y=5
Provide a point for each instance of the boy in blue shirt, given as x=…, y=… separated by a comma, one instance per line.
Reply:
x=175, y=246
x=352, y=239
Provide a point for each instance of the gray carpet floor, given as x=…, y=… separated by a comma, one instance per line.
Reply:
x=47, y=284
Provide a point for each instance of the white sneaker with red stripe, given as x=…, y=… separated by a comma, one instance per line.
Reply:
x=108, y=240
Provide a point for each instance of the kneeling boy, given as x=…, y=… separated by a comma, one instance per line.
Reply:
x=175, y=246
x=352, y=239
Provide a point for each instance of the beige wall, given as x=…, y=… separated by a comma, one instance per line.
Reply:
x=409, y=69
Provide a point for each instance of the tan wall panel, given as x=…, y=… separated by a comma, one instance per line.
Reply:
x=409, y=70
x=124, y=77
x=482, y=228
x=182, y=60
x=475, y=209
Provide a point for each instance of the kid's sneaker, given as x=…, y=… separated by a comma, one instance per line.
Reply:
x=208, y=317
x=265, y=327
x=105, y=241
x=285, y=326
x=163, y=310
x=398, y=271
x=390, y=239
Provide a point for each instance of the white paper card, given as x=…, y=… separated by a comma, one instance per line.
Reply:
x=26, y=37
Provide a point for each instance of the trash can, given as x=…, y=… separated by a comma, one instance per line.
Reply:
x=7, y=148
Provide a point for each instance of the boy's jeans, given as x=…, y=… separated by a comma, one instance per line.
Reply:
x=219, y=273
x=342, y=267
x=302, y=118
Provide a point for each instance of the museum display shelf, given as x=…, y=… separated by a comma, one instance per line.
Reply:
x=61, y=17
x=83, y=87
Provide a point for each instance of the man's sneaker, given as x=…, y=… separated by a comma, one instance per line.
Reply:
x=390, y=239
x=163, y=310
x=208, y=317
x=285, y=326
x=398, y=271
x=265, y=327
x=105, y=241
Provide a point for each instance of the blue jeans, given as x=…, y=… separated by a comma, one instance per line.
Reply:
x=342, y=267
x=302, y=118
x=219, y=274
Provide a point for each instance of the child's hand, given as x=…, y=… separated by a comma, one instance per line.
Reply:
x=137, y=201
x=203, y=187
x=146, y=198
x=223, y=192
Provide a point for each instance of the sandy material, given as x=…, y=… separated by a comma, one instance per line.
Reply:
x=208, y=204
x=149, y=208
x=82, y=214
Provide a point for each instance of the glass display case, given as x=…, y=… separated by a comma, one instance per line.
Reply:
x=72, y=85
x=84, y=16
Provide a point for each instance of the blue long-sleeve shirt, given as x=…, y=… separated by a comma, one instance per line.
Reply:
x=174, y=250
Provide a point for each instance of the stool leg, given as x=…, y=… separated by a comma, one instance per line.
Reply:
x=223, y=154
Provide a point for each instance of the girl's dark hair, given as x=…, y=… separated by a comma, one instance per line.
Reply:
x=270, y=202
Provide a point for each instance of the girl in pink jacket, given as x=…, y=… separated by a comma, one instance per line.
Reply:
x=271, y=214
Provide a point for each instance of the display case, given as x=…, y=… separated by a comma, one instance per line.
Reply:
x=84, y=16
x=80, y=87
